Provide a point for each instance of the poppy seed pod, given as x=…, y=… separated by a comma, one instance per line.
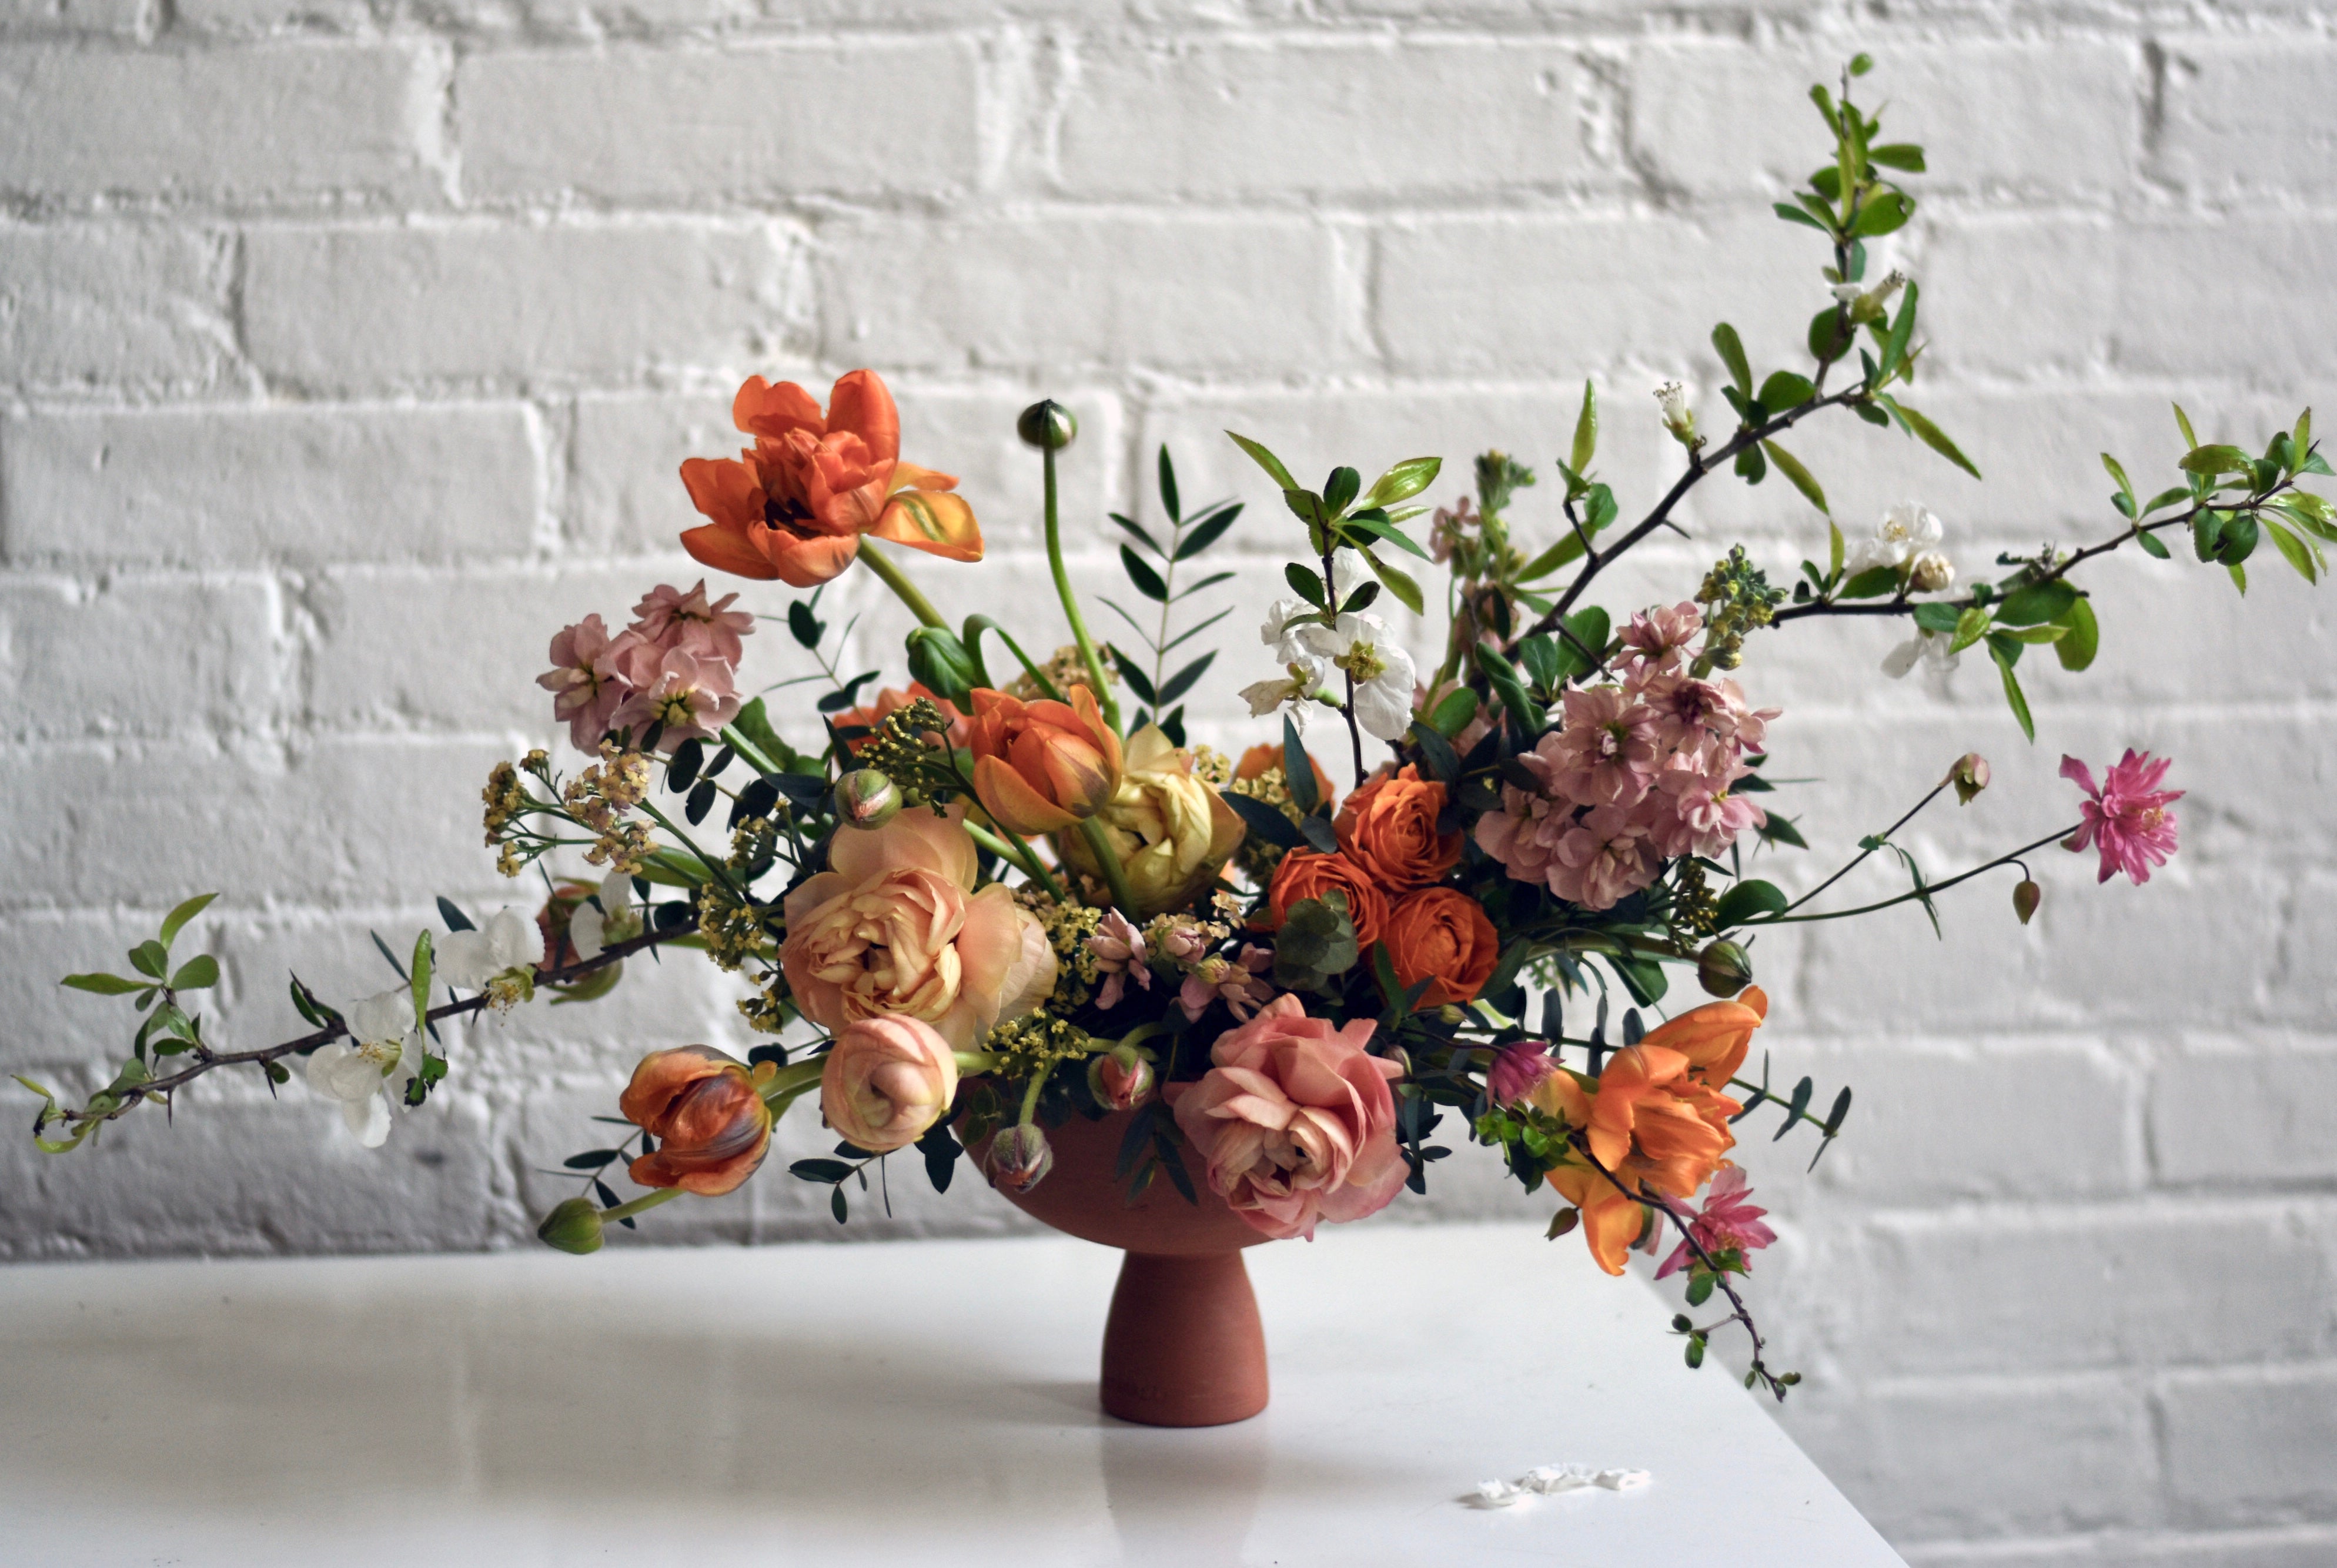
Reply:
x=573, y=1226
x=866, y=798
x=1048, y=425
x=1723, y=968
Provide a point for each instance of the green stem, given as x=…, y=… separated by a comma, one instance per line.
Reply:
x=889, y=573
x=748, y=753
x=1010, y=847
x=647, y=1201
x=2010, y=859
x=790, y=1081
x=1031, y=1099
x=1106, y=858
x=1088, y=654
x=719, y=872
x=971, y=1063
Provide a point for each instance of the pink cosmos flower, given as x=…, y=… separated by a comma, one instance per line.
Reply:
x=1657, y=636
x=1516, y=1070
x=1240, y=983
x=2127, y=818
x=692, y=697
x=1726, y=1221
x=672, y=619
x=1119, y=949
x=587, y=689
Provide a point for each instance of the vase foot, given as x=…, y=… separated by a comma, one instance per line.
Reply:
x=1183, y=1346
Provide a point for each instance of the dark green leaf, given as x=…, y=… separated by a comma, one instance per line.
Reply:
x=1829, y=337
x=1793, y=214
x=1208, y=530
x=1871, y=584
x=2076, y=650
x=1387, y=530
x=1298, y=771
x=1903, y=333
x=1182, y=681
x=1304, y=583
x=1747, y=899
x=1751, y=466
x=1147, y=582
x=1264, y=820
x=1885, y=212
x=702, y=801
x=1339, y=489
x=2152, y=546
x=2012, y=692
x=1141, y=534
x=681, y=769
x=2035, y=603
x=452, y=914
x=1436, y=753
x=807, y=628
x=1167, y=472
x=837, y=1205
x=1190, y=589
x=1138, y=680
x=591, y=1160
x=1785, y=390
x=1904, y=155
x=820, y=1169
x=1938, y=618
x=1454, y=711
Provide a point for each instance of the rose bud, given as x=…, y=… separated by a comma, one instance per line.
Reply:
x=888, y=1079
x=866, y=798
x=711, y=1122
x=1121, y=1078
x=573, y=1226
x=1723, y=968
x=1041, y=767
x=1969, y=776
x=2025, y=899
x=1018, y=1158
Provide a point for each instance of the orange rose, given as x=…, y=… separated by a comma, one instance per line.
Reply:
x=796, y=507
x=1041, y=767
x=890, y=700
x=1388, y=827
x=1443, y=936
x=1304, y=875
x=1715, y=1037
x=711, y=1125
x=1259, y=757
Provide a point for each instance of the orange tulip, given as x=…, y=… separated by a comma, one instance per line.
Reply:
x=796, y=507
x=1715, y=1037
x=1041, y=767
x=711, y=1125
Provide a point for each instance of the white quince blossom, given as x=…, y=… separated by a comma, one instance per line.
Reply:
x=592, y=931
x=1931, y=649
x=1359, y=646
x=364, y=1077
x=1302, y=678
x=1931, y=572
x=508, y=941
x=1905, y=532
x=1678, y=417
x=1878, y=295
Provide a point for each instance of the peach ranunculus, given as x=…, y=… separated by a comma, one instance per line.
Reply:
x=1171, y=831
x=887, y=1081
x=1388, y=827
x=1303, y=873
x=1443, y=936
x=893, y=925
x=1294, y=1122
x=794, y=505
x=1715, y=1037
x=1041, y=767
x=891, y=700
x=711, y=1123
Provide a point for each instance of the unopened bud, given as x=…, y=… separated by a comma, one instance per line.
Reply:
x=1401, y=1057
x=1121, y=1078
x=2025, y=899
x=1969, y=776
x=1723, y=968
x=1018, y=1158
x=1047, y=425
x=941, y=662
x=866, y=797
x=573, y=1226
x=1932, y=572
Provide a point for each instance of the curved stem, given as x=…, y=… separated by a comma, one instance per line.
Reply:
x=633, y=1206
x=1115, y=874
x=1031, y=1099
x=2012, y=858
x=889, y=573
x=1010, y=847
x=748, y=753
x=1883, y=837
x=1088, y=654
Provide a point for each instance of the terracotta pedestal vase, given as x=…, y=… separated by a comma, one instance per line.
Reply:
x=1183, y=1346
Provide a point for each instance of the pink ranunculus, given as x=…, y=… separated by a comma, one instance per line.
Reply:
x=1657, y=636
x=586, y=687
x=887, y=1081
x=1606, y=750
x=2127, y=818
x=672, y=619
x=1516, y=1069
x=692, y=697
x=1726, y=1221
x=1295, y=1123
x=1605, y=859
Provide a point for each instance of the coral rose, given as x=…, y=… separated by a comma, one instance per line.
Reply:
x=1294, y=1122
x=711, y=1124
x=1715, y=1037
x=795, y=506
x=894, y=926
x=1443, y=936
x=1388, y=827
x=1304, y=874
x=1041, y=767
x=1170, y=830
x=887, y=1081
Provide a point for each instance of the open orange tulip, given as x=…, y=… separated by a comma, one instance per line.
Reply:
x=711, y=1121
x=794, y=505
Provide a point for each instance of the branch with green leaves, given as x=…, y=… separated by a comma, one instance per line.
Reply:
x=1156, y=687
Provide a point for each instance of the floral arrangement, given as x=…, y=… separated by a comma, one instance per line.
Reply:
x=976, y=908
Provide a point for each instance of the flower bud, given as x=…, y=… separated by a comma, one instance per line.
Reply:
x=1932, y=572
x=1723, y=968
x=1047, y=425
x=1018, y=1158
x=573, y=1226
x=1121, y=1078
x=2025, y=899
x=1678, y=417
x=865, y=799
x=941, y=663
x=1969, y=776
x=1402, y=1059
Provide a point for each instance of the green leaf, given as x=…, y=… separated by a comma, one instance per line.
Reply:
x=755, y=723
x=2293, y=549
x=422, y=965
x=1297, y=772
x=1266, y=460
x=2152, y=546
x=2035, y=634
x=1140, y=572
x=1451, y=715
x=1585, y=430
x=2035, y=603
x=1387, y=530
x=1142, y=534
x=1304, y=583
x=2082, y=638
x=197, y=974
x=1435, y=751
x=1263, y=820
x=1308, y=508
x=1403, y=481
x=1903, y=333
x=1829, y=339
x=1751, y=466
x=1902, y=155
x=1133, y=674
x=821, y=1170
x=1931, y=436
x=1747, y=899
x=104, y=985
x=1588, y=631
x=1731, y=349
x=1791, y=467
x=1871, y=584
x=1399, y=583
x=176, y=920
x=148, y=958
x=1784, y=391
x=1793, y=214
x=1339, y=489
x=1971, y=627
x=803, y=626
x=1938, y=617
x=1885, y=212
x=1834, y=549
x=2183, y=420
x=1168, y=485
x=2012, y=692
x=2118, y=471
x=2217, y=459
x=1208, y=530
x=1182, y=681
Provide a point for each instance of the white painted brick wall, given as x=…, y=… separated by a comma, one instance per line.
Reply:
x=347, y=350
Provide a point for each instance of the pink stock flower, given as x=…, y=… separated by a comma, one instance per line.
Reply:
x=1604, y=859
x=1240, y=983
x=672, y=619
x=587, y=689
x=1693, y=811
x=1726, y=1221
x=2127, y=816
x=1657, y=636
x=1119, y=949
x=1516, y=1070
x=1607, y=751
x=689, y=696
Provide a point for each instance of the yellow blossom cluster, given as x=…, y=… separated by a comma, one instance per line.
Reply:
x=1068, y=926
x=599, y=797
x=1033, y=1045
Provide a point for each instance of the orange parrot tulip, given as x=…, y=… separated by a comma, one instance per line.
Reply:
x=1041, y=767
x=711, y=1123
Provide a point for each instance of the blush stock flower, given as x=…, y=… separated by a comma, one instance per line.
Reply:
x=676, y=665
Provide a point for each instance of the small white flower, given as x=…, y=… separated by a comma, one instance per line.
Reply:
x=1931, y=649
x=471, y=958
x=364, y=1077
x=1358, y=646
x=1906, y=531
x=1303, y=676
x=1855, y=294
x=1678, y=418
x=592, y=931
x=1931, y=572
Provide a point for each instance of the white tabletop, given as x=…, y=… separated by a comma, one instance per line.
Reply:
x=844, y=1405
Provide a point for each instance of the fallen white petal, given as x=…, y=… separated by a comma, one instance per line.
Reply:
x=1494, y=1494
x=1623, y=1480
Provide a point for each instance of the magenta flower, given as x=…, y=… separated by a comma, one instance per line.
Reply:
x=1726, y=1221
x=1516, y=1070
x=2127, y=818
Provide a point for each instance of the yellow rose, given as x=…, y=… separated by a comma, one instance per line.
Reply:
x=1170, y=830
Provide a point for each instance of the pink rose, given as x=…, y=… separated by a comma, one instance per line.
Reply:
x=1294, y=1122
x=887, y=1081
